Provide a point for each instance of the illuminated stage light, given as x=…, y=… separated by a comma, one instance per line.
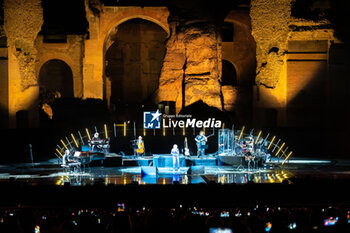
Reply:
x=88, y=134
x=163, y=131
x=184, y=131
x=75, y=141
x=240, y=135
x=69, y=144
x=257, y=138
x=276, y=145
x=290, y=153
x=273, y=139
x=124, y=128
x=144, y=132
x=65, y=146
x=59, y=152
x=106, y=131
x=280, y=149
x=81, y=138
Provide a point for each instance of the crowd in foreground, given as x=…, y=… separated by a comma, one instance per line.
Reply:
x=123, y=218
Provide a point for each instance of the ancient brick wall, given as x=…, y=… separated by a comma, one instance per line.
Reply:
x=22, y=23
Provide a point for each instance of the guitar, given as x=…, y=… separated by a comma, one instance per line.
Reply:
x=205, y=138
x=187, y=151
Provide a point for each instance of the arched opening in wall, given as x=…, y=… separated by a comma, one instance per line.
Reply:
x=227, y=32
x=134, y=53
x=55, y=80
x=229, y=74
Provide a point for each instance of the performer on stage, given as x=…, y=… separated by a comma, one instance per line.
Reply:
x=93, y=145
x=250, y=143
x=201, y=140
x=176, y=158
x=65, y=158
x=250, y=157
x=96, y=136
x=140, y=150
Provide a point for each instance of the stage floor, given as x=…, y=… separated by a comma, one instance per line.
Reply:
x=48, y=173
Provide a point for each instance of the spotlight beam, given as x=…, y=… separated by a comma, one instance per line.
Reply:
x=273, y=139
x=276, y=145
x=81, y=138
x=106, y=131
x=88, y=133
x=280, y=149
x=75, y=141
x=290, y=153
x=240, y=135
x=64, y=144
x=257, y=138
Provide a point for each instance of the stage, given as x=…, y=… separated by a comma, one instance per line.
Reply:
x=157, y=169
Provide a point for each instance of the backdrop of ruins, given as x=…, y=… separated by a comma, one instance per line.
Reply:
x=266, y=62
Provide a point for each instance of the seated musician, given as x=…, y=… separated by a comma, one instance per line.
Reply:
x=65, y=158
x=140, y=149
x=93, y=144
x=250, y=157
x=96, y=136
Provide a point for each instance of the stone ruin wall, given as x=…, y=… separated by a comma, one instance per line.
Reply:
x=272, y=29
x=190, y=70
x=22, y=22
x=71, y=52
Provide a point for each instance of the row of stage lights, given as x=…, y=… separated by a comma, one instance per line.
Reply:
x=60, y=149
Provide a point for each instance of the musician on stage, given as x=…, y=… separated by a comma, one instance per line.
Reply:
x=140, y=149
x=65, y=158
x=96, y=136
x=176, y=159
x=250, y=143
x=92, y=145
x=201, y=140
x=250, y=157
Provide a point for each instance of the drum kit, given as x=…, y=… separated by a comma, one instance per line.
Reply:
x=229, y=144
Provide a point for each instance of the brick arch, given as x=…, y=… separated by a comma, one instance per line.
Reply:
x=245, y=65
x=100, y=29
x=118, y=20
x=77, y=78
x=65, y=58
x=62, y=82
x=115, y=23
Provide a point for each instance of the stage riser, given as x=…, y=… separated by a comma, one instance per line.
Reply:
x=196, y=170
x=201, y=162
x=137, y=162
x=236, y=161
x=167, y=161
